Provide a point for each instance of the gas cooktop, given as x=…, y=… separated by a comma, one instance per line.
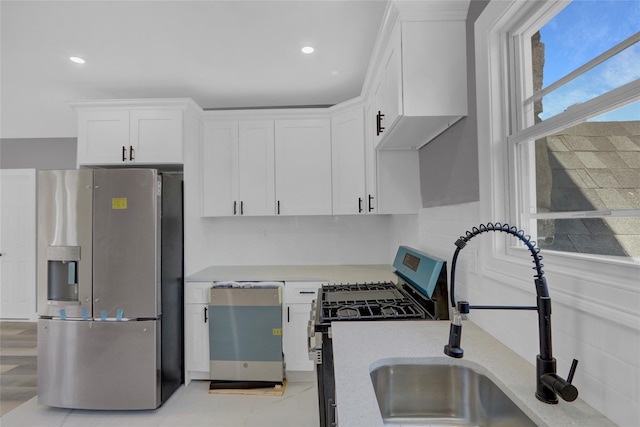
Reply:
x=420, y=293
x=367, y=301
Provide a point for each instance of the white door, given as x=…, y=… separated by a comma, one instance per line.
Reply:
x=303, y=167
x=256, y=160
x=296, y=350
x=196, y=338
x=219, y=168
x=156, y=136
x=348, y=162
x=18, y=244
x=103, y=137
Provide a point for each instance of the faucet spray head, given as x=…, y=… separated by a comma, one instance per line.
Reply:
x=455, y=334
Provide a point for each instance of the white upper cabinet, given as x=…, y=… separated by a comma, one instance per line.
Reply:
x=348, y=162
x=219, y=168
x=303, y=167
x=103, y=137
x=238, y=168
x=156, y=136
x=132, y=132
x=256, y=161
x=420, y=83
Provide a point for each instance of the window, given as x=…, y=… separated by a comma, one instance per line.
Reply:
x=574, y=126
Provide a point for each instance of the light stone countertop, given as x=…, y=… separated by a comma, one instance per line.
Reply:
x=302, y=273
x=360, y=347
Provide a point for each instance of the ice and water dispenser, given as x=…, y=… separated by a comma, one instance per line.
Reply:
x=62, y=273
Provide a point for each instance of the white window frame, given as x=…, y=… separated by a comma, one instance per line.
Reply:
x=500, y=172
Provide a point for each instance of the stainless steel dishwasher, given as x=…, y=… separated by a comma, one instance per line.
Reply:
x=245, y=332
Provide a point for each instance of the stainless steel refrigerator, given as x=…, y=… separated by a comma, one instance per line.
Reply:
x=110, y=262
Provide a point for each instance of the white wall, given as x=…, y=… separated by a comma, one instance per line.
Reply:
x=585, y=322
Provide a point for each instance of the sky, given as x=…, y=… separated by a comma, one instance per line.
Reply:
x=580, y=32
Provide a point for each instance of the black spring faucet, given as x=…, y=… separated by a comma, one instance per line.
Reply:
x=549, y=385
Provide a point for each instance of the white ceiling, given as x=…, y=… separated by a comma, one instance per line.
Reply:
x=219, y=53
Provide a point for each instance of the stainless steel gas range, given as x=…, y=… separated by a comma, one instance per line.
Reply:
x=419, y=294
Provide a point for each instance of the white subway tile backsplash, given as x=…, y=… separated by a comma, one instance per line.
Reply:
x=622, y=409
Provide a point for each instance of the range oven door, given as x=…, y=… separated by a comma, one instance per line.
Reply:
x=326, y=382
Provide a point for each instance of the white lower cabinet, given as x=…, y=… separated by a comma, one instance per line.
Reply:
x=196, y=331
x=296, y=310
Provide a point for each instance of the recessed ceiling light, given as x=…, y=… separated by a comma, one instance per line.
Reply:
x=77, y=59
x=307, y=49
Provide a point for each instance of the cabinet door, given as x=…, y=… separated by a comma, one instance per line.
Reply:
x=298, y=297
x=103, y=137
x=348, y=163
x=156, y=136
x=196, y=337
x=303, y=167
x=256, y=159
x=294, y=336
x=219, y=168
x=370, y=161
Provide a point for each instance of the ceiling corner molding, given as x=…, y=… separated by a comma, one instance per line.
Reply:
x=432, y=10
x=156, y=103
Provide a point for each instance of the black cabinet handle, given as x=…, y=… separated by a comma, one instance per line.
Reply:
x=132, y=153
x=278, y=207
x=307, y=292
x=370, y=199
x=235, y=207
x=359, y=204
x=288, y=314
x=379, y=127
x=205, y=315
x=241, y=207
x=124, y=153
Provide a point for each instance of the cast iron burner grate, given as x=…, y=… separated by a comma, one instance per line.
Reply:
x=367, y=301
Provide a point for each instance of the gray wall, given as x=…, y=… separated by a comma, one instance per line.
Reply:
x=449, y=163
x=38, y=153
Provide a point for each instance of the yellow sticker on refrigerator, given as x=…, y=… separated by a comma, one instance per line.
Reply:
x=119, y=203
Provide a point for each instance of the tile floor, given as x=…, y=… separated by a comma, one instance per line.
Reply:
x=18, y=354
x=190, y=406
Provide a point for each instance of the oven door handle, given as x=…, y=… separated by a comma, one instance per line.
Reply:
x=332, y=413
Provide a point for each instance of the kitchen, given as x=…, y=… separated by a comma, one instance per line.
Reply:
x=458, y=203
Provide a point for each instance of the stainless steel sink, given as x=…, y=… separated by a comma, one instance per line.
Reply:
x=442, y=395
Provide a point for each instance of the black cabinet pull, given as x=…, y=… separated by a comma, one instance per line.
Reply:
x=307, y=292
x=205, y=315
x=278, y=207
x=235, y=207
x=241, y=207
x=359, y=204
x=379, y=127
x=288, y=314
x=370, y=199
x=124, y=153
x=132, y=153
